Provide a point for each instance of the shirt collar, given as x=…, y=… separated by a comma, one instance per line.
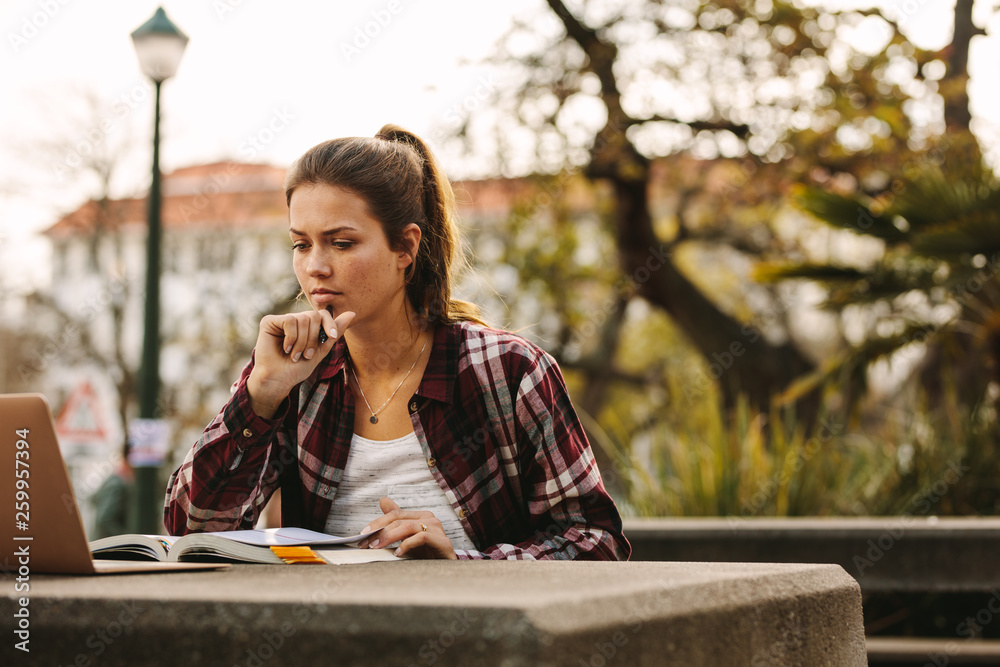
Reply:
x=438, y=382
x=335, y=360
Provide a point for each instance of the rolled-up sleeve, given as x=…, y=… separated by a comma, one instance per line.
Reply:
x=570, y=512
x=225, y=480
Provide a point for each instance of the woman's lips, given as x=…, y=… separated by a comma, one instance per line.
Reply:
x=324, y=296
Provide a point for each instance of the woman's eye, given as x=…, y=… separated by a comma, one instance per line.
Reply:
x=339, y=245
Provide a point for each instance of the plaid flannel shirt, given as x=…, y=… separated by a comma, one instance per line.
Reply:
x=492, y=416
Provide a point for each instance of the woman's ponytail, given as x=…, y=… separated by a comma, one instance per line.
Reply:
x=440, y=247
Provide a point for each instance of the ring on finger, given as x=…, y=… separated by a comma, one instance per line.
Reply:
x=423, y=527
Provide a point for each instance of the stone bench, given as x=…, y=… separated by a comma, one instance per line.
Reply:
x=448, y=613
x=885, y=554
x=888, y=556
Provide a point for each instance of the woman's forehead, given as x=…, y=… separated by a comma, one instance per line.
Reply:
x=326, y=206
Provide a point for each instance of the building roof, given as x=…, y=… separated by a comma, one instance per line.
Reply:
x=236, y=194
x=222, y=194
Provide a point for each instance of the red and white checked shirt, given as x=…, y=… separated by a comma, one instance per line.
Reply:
x=492, y=416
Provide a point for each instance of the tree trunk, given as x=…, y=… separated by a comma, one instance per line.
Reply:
x=957, y=116
x=739, y=357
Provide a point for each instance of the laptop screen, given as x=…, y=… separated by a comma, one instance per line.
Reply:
x=40, y=525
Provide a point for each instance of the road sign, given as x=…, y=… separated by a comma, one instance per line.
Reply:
x=81, y=420
x=149, y=440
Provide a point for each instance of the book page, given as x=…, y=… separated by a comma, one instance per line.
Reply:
x=349, y=555
x=266, y=537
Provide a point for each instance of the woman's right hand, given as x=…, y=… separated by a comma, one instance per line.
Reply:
x=287, y=352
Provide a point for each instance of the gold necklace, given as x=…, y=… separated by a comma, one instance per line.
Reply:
x=374, y=418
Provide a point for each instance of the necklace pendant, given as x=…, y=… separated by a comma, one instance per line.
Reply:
x=373, y=419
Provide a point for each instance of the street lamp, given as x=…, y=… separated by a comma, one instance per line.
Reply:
x=159, y=44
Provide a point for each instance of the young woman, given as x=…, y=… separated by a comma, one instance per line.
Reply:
x=390, y=405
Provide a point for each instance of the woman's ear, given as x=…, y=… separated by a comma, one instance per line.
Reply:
x=411, y=244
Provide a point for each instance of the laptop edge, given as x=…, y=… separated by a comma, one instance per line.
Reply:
x=42, y=528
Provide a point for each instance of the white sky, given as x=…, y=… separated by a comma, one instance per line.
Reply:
x=248, y=61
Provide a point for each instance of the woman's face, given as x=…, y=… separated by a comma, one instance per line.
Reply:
x=341, y=255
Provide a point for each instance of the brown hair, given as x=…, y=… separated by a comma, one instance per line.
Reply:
x=401, y=182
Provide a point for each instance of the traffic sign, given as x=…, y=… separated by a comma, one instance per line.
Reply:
x=81, y=420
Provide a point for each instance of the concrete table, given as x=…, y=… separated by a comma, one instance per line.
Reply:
x=447, y=613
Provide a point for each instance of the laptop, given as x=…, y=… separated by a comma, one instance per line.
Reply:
x=40, y=525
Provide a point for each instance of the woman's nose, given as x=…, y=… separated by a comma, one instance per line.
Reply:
x=319, y=264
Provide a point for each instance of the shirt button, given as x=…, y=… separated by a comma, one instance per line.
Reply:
x=431, y=462
x=413, y=406
x=247, y=433
x=462, y=513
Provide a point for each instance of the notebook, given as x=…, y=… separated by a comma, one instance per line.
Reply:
x=40, y=525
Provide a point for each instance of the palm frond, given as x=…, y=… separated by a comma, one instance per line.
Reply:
x=974, y=233
x=932, y=200
x=868, y=352
x=849, y=213
x=773, y=272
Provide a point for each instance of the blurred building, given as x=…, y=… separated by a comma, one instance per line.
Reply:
x=225, y=263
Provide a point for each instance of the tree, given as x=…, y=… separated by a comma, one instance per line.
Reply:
x=769, y=91
x=934, y=282
x=86, y=148
x=935, y=285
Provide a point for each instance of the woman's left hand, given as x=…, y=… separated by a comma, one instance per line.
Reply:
x=421, y=533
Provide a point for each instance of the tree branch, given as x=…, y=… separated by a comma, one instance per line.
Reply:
x=741, y=130
x=602, y=56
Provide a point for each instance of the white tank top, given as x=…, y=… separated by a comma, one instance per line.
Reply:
x=397, y=469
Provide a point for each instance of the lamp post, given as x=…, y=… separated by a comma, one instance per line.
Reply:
x=159, y=45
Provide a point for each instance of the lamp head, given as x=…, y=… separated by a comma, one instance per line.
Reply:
x=159, y=44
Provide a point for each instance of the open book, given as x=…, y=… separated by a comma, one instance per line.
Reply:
x=240, y=546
